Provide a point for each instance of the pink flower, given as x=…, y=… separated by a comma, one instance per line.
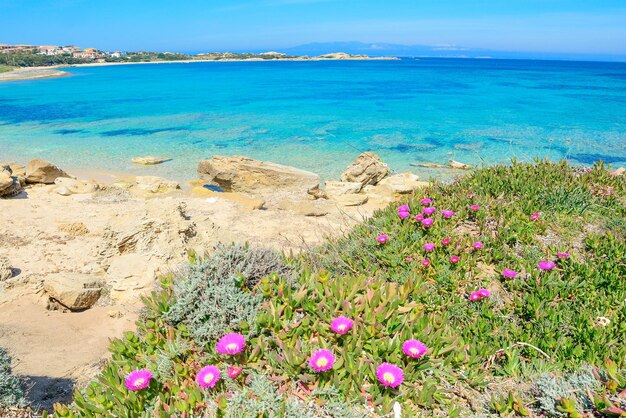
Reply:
x=414, y=348
x=454, y=259
x=425, y=262
x=445, y=241
x=138, y=379
x=474, y=296
x=546, y=265
x=429, y=247
x=509, y=274
x=382, y=238
x=429, y=210
x=534, y=216
x=389, y=375
x=403, y=215
x=470, y=195
x=484, y=293
x=409, y=259
x=447, y=214
x=322, y=360
x=208, y=376
x=427, y=222
x=477, y=245
x=475, y=208
x=563, y=255
x=403, y=208
x=234, y=371
x=341, y=324
x=419, y=217
x=231, y=344
x=426, y=201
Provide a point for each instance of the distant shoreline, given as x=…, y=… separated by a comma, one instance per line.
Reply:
x=35, y=73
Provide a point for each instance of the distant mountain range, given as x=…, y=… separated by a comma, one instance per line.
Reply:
x=440, y=51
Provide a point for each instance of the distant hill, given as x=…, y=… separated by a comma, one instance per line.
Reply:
x=442, y=51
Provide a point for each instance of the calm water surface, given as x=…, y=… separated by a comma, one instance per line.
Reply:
x=318, y=115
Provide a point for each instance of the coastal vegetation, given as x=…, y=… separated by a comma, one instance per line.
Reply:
x=500, y=294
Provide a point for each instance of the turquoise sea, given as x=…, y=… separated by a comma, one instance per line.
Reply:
x=318, y=115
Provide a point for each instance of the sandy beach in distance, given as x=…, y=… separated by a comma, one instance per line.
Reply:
x=33, y=73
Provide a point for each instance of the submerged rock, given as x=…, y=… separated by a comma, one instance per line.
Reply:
x=75, y=291
x=242, y=174
x=368, y=168
x=149, y=160
x=42, y=171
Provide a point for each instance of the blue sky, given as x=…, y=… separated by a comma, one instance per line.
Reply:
x=552, y=26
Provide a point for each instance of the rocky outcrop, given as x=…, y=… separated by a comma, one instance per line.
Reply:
x=149, y=160
x=620, y=171
x=42, y=171
x=339, y=188
x=368, y=168
x=9, y=185
x=304, y=207
x=242, y=174
x=154, y=184
x=402, y=183
x=356, y=199
x=75, y=291
x=5, y=269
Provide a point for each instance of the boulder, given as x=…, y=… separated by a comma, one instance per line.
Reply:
x=75, y=291
x=458, y=166
x=5, y=269
x=150, y=160
x=17, y=169
x=76, y=186
x=242, y=174
x=9, y=185
x=368, y=168
x=402, y=183
x=41, y=171
x=63, y=191
x=154, y=184
x=338, y=188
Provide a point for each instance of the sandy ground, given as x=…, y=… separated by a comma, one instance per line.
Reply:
x=125, y=241
x=31, y=73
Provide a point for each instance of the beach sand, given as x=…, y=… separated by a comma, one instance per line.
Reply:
x=32, y=73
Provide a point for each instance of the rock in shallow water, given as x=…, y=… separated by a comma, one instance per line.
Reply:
x=150, y=160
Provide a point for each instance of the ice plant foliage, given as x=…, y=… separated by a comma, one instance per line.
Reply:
x=138, y=379
x=414, y=348
x=382, y=238
x=563, y=255
x=341, y=325
x=390, y=375
x=546, y=265
x=322, y=360
x=208, y=376
x=231, y=344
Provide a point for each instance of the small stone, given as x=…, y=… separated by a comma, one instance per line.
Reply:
x=115, y=313
x=63, y=191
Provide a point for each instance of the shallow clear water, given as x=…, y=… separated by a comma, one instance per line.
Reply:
x=318, y=115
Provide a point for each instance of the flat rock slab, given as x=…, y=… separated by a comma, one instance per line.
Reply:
x=75, y=291
x=402, y=183
x=242, y=174
x=149, y=160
